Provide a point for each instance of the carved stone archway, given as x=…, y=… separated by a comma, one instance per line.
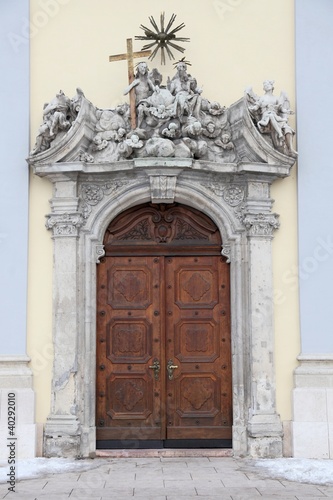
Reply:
x=236, y=196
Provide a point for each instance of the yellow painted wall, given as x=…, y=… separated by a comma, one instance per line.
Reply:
x=234, y=44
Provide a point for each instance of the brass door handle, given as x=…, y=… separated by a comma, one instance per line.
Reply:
x=156, y=367
x=170, y=368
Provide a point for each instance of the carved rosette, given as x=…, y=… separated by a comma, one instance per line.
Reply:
x=233, y=194
x=92, y=194
x=261, y=224
x=64, y=224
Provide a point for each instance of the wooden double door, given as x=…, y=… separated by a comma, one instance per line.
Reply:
x=163, y=332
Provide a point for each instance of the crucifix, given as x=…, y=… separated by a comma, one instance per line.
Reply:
x=129, y=56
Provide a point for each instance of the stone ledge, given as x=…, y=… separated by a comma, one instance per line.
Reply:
x=315, y=370
x=15, y=373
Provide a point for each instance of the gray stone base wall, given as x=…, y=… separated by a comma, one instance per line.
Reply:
x=313, y=407
x=17, y=408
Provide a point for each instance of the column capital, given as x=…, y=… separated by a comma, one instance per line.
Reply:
x=66, y=224
x=261, y=224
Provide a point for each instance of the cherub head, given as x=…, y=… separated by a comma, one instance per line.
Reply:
x=121, y=132
x=196, y=127
x=121, y=109
x=225, y=138
x=210, y=127
x=97, y=140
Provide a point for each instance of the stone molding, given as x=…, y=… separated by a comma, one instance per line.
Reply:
x=315, y=370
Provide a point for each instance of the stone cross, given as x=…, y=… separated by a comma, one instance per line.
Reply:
x=129, y=56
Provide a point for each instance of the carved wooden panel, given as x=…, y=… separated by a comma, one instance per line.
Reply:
x=157, y=227
x=129, y=397
x=198, y=396
x=196, y=340
x=129, y=287
x=194, y=287
x=128, y=340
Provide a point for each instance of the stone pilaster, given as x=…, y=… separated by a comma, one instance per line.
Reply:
x=264, y=428
x=62, y=430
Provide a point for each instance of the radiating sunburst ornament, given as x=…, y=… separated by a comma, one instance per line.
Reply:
x=162, y=37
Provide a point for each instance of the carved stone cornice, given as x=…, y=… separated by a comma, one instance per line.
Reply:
x=261, y=224
x=64, y=225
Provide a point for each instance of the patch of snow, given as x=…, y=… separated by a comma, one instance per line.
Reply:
x=302, y=470
x=291, y=469
x=37, y=467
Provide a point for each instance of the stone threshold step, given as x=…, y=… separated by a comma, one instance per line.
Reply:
x=165, y=453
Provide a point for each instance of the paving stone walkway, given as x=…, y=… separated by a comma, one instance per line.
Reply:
x=183, y=478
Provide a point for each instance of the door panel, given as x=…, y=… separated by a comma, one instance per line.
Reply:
x=198, y=343
x=129, y=340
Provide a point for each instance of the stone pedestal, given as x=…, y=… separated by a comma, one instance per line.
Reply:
x=62, y=436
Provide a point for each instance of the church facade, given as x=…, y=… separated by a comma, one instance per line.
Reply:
x=179, y=294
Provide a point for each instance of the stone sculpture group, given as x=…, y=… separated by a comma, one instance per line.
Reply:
x=172, y=120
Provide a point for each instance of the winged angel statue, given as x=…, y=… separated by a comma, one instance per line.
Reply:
x=271, y=114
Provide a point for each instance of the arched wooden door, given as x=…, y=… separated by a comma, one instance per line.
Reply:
x=163, y=331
